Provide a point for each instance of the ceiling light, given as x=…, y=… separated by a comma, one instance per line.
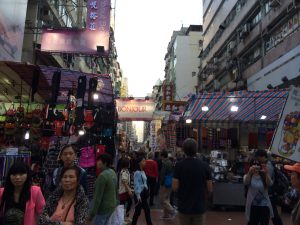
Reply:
x=234, y=108
x=27, y=135
x=95, y=96
x=188, y=121
x=263, y=117
x=81, y=132
x=205, y=108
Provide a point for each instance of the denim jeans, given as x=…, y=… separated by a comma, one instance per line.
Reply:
x=101, y=219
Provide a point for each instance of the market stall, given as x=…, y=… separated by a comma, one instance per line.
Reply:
x=54, y=107
x=230, y=126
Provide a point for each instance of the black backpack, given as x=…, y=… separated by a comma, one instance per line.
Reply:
x=281, y=183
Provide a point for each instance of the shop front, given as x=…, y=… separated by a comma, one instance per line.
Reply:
x=44, y=108
x=231, y=126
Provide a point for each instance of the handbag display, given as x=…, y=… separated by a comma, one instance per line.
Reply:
x=87, y=157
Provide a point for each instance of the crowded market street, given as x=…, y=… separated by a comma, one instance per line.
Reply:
x=149, y=112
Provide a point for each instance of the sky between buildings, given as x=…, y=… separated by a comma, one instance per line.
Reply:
x=143, y=30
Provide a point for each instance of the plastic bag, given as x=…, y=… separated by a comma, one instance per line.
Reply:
x=117, y=217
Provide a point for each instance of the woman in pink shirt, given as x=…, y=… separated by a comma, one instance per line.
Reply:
x=20, y=202
x=68, y=204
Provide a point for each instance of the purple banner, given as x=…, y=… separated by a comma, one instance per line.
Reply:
x=97, y=33
x=75, y=41
x=98, y=15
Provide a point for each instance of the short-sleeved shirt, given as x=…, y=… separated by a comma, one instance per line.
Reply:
x=192, y=175
x=124, y=176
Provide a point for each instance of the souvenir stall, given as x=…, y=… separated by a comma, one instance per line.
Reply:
x=61, y=107
x=231, y=125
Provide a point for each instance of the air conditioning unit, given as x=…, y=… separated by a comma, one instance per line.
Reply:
x=231, y=46
x=275, y=3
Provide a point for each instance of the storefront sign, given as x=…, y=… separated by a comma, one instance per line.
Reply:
x=93, y=40
x=286, y=141
x=168, y=92
x=172, y=106
x=131, y=110
x=12, y=23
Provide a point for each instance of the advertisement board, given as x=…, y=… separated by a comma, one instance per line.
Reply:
x=135, y=110
x=74, y=41
x=12, y=23
x=286, y=140
x=94, y=40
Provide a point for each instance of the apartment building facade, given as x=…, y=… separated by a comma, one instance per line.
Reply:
x=182, y=61
x=250, y=44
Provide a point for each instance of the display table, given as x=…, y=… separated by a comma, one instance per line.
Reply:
x=229, y=194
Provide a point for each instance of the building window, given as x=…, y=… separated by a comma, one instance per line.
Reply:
x=256, y=19
x=267, y=7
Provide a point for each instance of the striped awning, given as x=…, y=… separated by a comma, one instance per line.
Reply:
x=252, y=105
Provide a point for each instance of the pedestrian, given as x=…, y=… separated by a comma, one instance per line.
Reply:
x=151, y=171
x=262, y=157
x=105, y=200
x=258, y=204
x=141, y=193
x=20, y=202
x=192, y=181
x=295, y=179
x=119, y=163
x=68, y=156
x=68, y=204
x=125, y=192
x=166, y=186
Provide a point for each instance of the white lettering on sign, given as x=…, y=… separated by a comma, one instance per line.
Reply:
x=132, y=109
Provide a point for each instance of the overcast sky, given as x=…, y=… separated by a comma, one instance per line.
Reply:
x=142, y=32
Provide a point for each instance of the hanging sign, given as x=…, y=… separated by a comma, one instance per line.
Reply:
x=135, y=110
x=286, y=140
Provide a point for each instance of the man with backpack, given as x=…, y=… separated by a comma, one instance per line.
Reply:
x=262, y=157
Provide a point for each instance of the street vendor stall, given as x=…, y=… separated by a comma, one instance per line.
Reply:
x=230, y=125
x=54, y=107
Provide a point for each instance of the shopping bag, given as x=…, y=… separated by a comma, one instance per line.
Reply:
x=117, y=217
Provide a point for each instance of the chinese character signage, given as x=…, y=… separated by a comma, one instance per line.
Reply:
x=168, y=92
x=174, y=106
x=97, y=33
x=135, y=110
x=12, y=23
x=286, y=140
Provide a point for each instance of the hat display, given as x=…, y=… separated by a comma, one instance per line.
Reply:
x=295, y=167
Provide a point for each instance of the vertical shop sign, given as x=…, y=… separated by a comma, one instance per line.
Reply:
x=12, y=23
x=98, y=15
x=168, y=92
x=286, y=140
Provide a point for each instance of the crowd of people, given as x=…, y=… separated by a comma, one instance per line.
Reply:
x=183, y=185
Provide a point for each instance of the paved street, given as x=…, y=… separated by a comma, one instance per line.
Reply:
x=212, y=218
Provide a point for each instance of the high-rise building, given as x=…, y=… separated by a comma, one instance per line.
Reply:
x=124, y=88
x=250, y=44
x=182, y=60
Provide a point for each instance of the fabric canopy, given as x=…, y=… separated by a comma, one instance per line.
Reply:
x=252, y=105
